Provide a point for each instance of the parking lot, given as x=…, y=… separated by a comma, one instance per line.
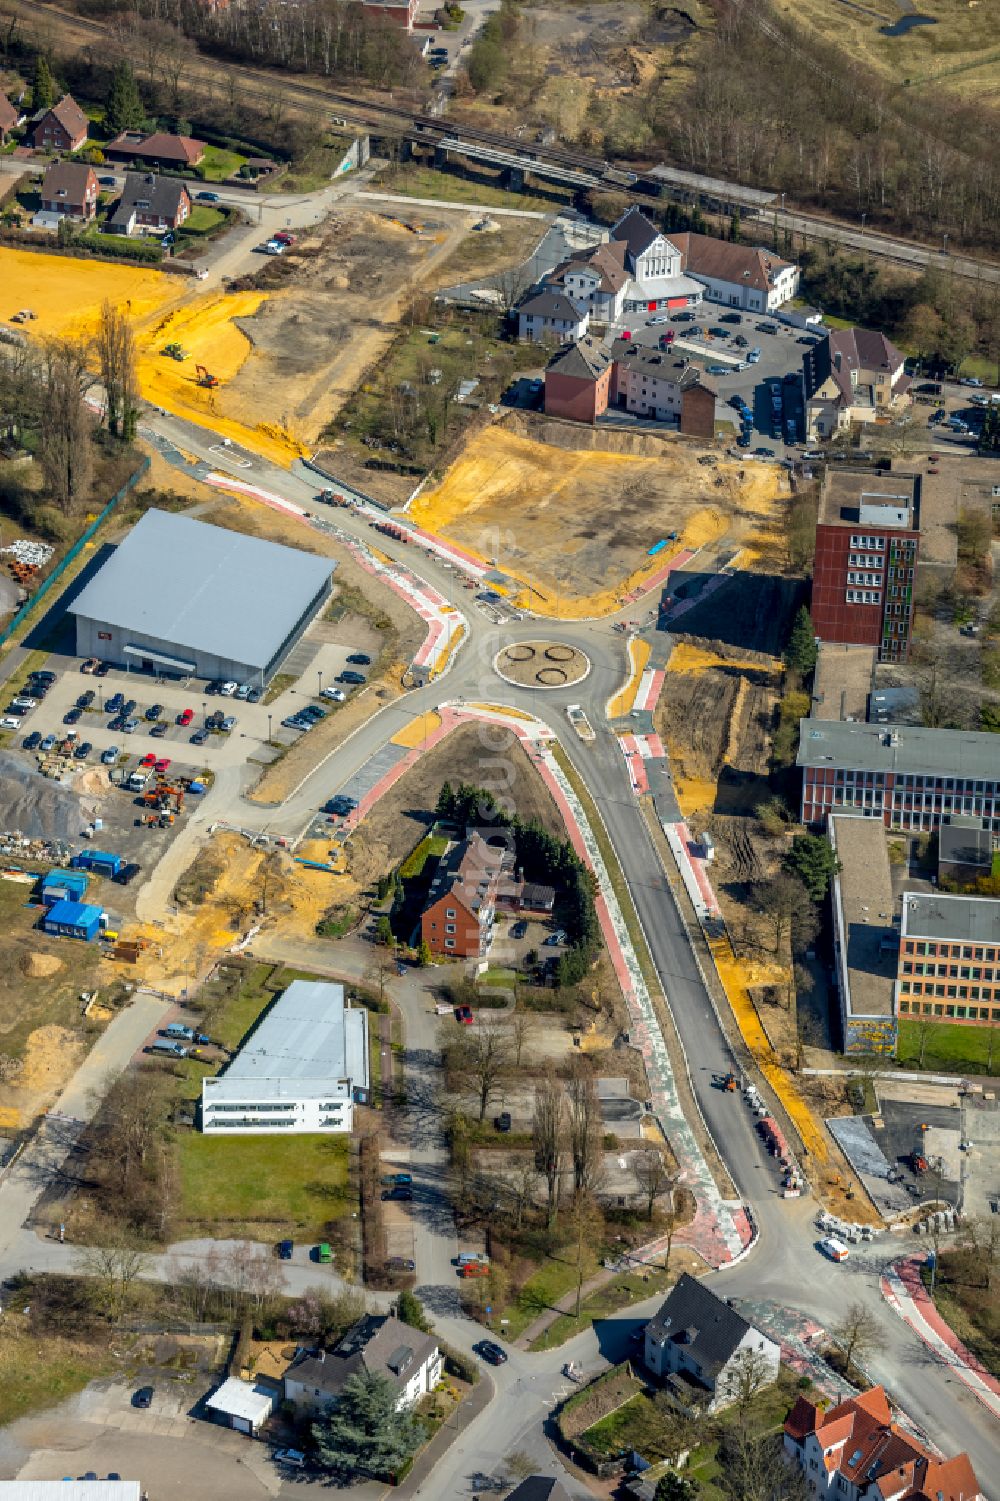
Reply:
x=780, y=355
x=175, y=702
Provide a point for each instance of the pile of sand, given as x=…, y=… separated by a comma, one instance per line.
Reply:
x=37, y=807
x=39, y=966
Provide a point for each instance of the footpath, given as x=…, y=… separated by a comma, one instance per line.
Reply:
x=904, y=1291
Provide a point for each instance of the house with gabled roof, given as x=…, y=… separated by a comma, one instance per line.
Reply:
x=149, y=201
x=595, y=278
x=10, y=118
x=698, y=1344
x=854, y=375
x=459, y=917
x=158, y=149
x=749, y=277
x=655, y=266
x=856, y=1452
x=547, y=313
x=70, y=190
x=577, y=381
x=61, y=128
x=377, y=1344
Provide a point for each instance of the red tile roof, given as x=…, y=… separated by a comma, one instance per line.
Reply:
x=8, y=114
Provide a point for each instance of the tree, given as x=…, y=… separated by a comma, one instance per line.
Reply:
x=410, y=1310
x=777, y=900
x=484, y=1058
x=585, y=1128
x=674, y=1487
x=856, y=1333
x=383, y=932
x=115, y=1270
x=653, y=1176
x=521, y=1026
x=116, y=353
x=748, y=1375
x=424, y=955
x=547, y=1129
x=43, y=90
x=364, y=1437
x=64, y=448
x=812, y=859
x=801, y=650
x=123, y=106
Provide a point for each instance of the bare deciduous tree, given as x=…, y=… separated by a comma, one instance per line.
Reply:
x=65, y=449
x=856, y=1332
x=116, y=353
x=548, y=1129
x=485, y=1058
x=521, y=1026
x=584, y=1127
x=653, y=1176
x=115, y=1270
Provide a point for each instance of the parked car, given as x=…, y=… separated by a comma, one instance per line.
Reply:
x=10, y=722
x=102, y=670
x=162, y=764
x=149, y=759
x=970, y=380
x=753, y=357
x=397, y=1177
x=351, y=677
x=294, y=1458
x=90, y=665
x=50, y=741
x=143, y=1397
x=185, y=717
x=229, y=723
x=490, y=1351
x=503, y=1121
x=159, y=730
x=86, y=699
x=719, y=370
x=73, y=717
x=228, y=689
x=335, y=695
x=402, y=1191
x=464, y=1015
x=153, y=712
x=31, y=742
x=242, y=692
x=358, y=659
x=200, y=737
x=115, y=702
x=285, y=1249
x=730, y=317
x=127, y=874
x=110, y=756
x=519, y=928
x=254, y=696
x=559, y=936
x=206, y=197
x=130, y=726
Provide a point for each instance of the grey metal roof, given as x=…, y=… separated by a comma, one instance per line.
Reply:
x=960, y=919
x=204, y=588
x=307, y=1036
x=961, y=841
x=710, y=1329
x=900, y=748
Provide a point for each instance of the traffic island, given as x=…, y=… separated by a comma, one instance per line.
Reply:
x=541, y=664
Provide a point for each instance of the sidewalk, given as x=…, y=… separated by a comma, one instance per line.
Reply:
x=565, y=1304
x=906, y=1295
x=465, y=1414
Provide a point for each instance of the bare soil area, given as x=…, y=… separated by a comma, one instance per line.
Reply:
x=339, y=294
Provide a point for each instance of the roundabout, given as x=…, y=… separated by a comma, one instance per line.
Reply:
x=541, y=664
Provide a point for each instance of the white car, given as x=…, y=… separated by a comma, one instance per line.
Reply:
x=337, y=695
x=660, y=318
x=275, y=247
x=228, y=689
x=835, y=1249
x=8, y=722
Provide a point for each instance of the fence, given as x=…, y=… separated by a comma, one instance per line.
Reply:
x=74, y=552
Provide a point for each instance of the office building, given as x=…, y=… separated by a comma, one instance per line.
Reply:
x=949, y=958
x=867, y=540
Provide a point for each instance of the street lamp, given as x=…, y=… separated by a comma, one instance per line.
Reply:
x=269, y=729
x=320, y=676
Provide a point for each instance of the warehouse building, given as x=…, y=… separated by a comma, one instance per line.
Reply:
x=184, y=599
x=302, y=1070
x=69, y=919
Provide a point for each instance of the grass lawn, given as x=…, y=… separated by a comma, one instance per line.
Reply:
x=978, y=364
x=950, y=1046
x=553, y=1280
x=236, y=1001
x=290, y=1184
x=37, y=1373
x=202, y=219
x=506, y=977
x=603, y=1304
x=218, y=164
x=433, y=845
x=426, y=182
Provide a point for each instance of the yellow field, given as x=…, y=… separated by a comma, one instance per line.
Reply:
x=66, y=296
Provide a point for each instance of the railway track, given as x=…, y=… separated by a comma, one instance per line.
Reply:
x=302, y=92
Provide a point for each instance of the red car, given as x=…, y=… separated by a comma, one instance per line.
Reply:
x=185, y=717
x=283, y=237
x=464, y=1015
x=149, y=759
x=162, y=764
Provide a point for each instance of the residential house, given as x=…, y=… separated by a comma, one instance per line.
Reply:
x=149, y=201
x=867, y=542
x=741, y=276
x=376, y=1345
x=539, y=1488
x=663, y=386
x=547, y=313
x=399, y=13
x=61, y=128
x=908, y=776
x=698, y=1344
x=70, y=189
x=160, y=149
x=461, y=904
x=854, y=375
x=949, y=958
x=655, y=267
x=577, y=381
x=855, y=1452
x=9, y=118
x=596, y=279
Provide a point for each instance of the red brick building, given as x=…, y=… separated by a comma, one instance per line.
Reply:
x=61, y=128
x=157, y=150
x=9, y=117
x=867, y=539
x=70, y=188
x=461, y=906
x=855, y=1452
x=577, y=381
x=401, y=13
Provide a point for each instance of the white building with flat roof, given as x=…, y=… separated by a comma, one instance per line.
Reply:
x=70, y=1490
x=301, y=1070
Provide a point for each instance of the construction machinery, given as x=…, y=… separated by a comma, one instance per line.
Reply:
x=205, y=377
x=725, y=1082
x=174, y=351
x=165, y=797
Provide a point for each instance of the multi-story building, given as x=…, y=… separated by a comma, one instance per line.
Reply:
x=949, y=958
x=459, y=917
x=578, y=380
x=300, y=1071
x=548, y=314
x=855, y=1452
x=865, y=937
x=596, y=279
x=70, y=189
x=61, y=128
x=740, y=276
x=854, y=375
x=697, y=1344
x=908, y=776
x=582, y=380
x=655, y=267
x=867, y=540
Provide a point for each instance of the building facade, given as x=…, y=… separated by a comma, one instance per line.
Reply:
x=458, y=920
x=867, y=546
x=61, y=128
x=70, y=189
x=907, y=776
x=399, y=13
x=949, y=958
x=662, y=386
x=739, y=276
x=854, y=375
x=655, y=267
x=855, y=1452
x=159, y=149
x=149, y=201
x=549, y=315
x=377, y=1344
x=578, y=380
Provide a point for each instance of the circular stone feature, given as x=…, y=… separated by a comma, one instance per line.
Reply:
x=533, y=664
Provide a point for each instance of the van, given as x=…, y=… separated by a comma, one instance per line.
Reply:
x=323, y=1252
x=178, y=1029
x=471, y=1258
x=835, y=1249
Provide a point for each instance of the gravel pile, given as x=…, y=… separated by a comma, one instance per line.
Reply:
x=36, y=807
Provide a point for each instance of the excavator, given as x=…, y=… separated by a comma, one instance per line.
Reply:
x=205, y=377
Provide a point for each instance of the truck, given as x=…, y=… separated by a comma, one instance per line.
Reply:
x=580, y=722
x=137, y=781
x=101, y=862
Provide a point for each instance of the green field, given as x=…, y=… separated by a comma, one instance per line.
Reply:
x=202, y=219
x=415, y=181
x=218, y=164
x=603, y=1304
x=285, y=1185
x=950, y=1047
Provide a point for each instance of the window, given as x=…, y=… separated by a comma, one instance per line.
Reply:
x=449, y=943
x=449, y=912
